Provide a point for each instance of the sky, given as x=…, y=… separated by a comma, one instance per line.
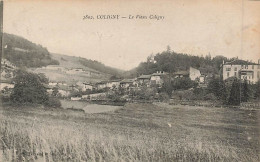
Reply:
x=220, y=27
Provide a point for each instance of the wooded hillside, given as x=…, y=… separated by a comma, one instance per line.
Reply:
x=24, y=53
x=170, y=61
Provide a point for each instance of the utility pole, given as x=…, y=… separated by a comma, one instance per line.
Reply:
x=1, y=40
x=1, y=34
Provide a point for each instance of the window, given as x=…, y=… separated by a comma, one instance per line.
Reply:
x=235, y=74
x=228, y=69
x=253, y=66
x=235, y=68
x=253, y=74
x=246, y=66
x=227, y=74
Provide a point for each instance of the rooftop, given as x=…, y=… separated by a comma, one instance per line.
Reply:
x=144, y=77
x=181, y=73
x=127, y=81
x=159, y=73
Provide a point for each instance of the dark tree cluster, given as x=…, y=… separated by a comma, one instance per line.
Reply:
x=30, y=88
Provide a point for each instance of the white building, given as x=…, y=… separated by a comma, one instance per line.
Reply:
x=113, y=83
x=157, y=78
x=101, y=85
x=194, y=74
x=6, y=84
x=249, y=72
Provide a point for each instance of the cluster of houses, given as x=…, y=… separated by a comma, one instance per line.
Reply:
x=157, y=78
x=249, y=72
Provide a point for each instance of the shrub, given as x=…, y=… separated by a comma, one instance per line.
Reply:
x=53, y=102
x=210, y=96
x=163, y=96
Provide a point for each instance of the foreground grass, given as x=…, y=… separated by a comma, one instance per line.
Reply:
x=137, y=132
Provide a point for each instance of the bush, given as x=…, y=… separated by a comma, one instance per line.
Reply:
x=210, y=96
x=163, y=96
x=185, y=95
x=53, y=102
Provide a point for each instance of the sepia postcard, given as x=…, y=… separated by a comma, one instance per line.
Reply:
x=128, y=80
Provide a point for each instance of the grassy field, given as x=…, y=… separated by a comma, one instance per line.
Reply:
x=136, y=132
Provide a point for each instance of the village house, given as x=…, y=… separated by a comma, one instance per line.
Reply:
x=101, y=85
x=63, y=90
x=157, y=78
x=75, y=98
x=249, y=72
x=144, y=80
x=73, y=87
x=113, y=84
x=194, y=74
x=87, y=86
x=126, y=83
x=7, y=64
x=181, y=74
x=6, y=84
x=53, y=83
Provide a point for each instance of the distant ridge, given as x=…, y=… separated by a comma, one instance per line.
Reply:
x=24, y=53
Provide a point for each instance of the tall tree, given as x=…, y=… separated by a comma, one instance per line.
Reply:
x=234, y=98
x=257, y=91
x=245, y=95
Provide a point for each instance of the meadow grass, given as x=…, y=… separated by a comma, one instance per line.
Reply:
x=136, y=132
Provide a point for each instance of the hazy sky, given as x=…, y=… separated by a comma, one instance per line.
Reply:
x=194, y=27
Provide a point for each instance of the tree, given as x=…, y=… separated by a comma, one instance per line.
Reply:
x=55, y=92
x=168, y=49
x=183, y=83
x=234, y=98
x=245, y=95
x=29, y=88
x=257, y=90
x=167, y=87
x=217, y=87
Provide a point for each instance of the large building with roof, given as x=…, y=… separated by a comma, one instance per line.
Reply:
x=249, y=72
